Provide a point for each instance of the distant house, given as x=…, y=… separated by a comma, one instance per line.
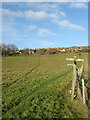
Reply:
x=17, y=52
x=62, y=50
x=30, y=51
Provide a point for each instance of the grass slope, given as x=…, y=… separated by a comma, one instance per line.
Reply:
x=38, y=87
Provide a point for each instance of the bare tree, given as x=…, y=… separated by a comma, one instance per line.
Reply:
x=8, y=49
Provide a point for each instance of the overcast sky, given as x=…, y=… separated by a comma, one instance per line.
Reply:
x=43, y=25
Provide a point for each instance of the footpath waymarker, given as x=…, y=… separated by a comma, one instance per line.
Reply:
x=69, y=64
x=80, y=59
x=74, y=72
x=74, y=59
x=70, y=59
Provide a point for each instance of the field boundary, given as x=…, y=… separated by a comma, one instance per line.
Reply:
x=79, y=88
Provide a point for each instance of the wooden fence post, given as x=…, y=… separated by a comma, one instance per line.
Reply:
x=74, y=80
x=83, y=90
x=78, y=82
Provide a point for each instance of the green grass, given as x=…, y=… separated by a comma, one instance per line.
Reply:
x=37, y=86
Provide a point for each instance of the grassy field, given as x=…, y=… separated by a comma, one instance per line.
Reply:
x=37, y=86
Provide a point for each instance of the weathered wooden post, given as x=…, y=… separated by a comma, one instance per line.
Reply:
x=78, y=86
x=83, y=90
x=74, y=75
x=74, y=79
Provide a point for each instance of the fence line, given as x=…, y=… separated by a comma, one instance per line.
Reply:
x=78, y=86
x=78, y=83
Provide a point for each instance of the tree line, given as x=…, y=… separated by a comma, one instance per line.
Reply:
x=8, y=50
x=11, y=49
